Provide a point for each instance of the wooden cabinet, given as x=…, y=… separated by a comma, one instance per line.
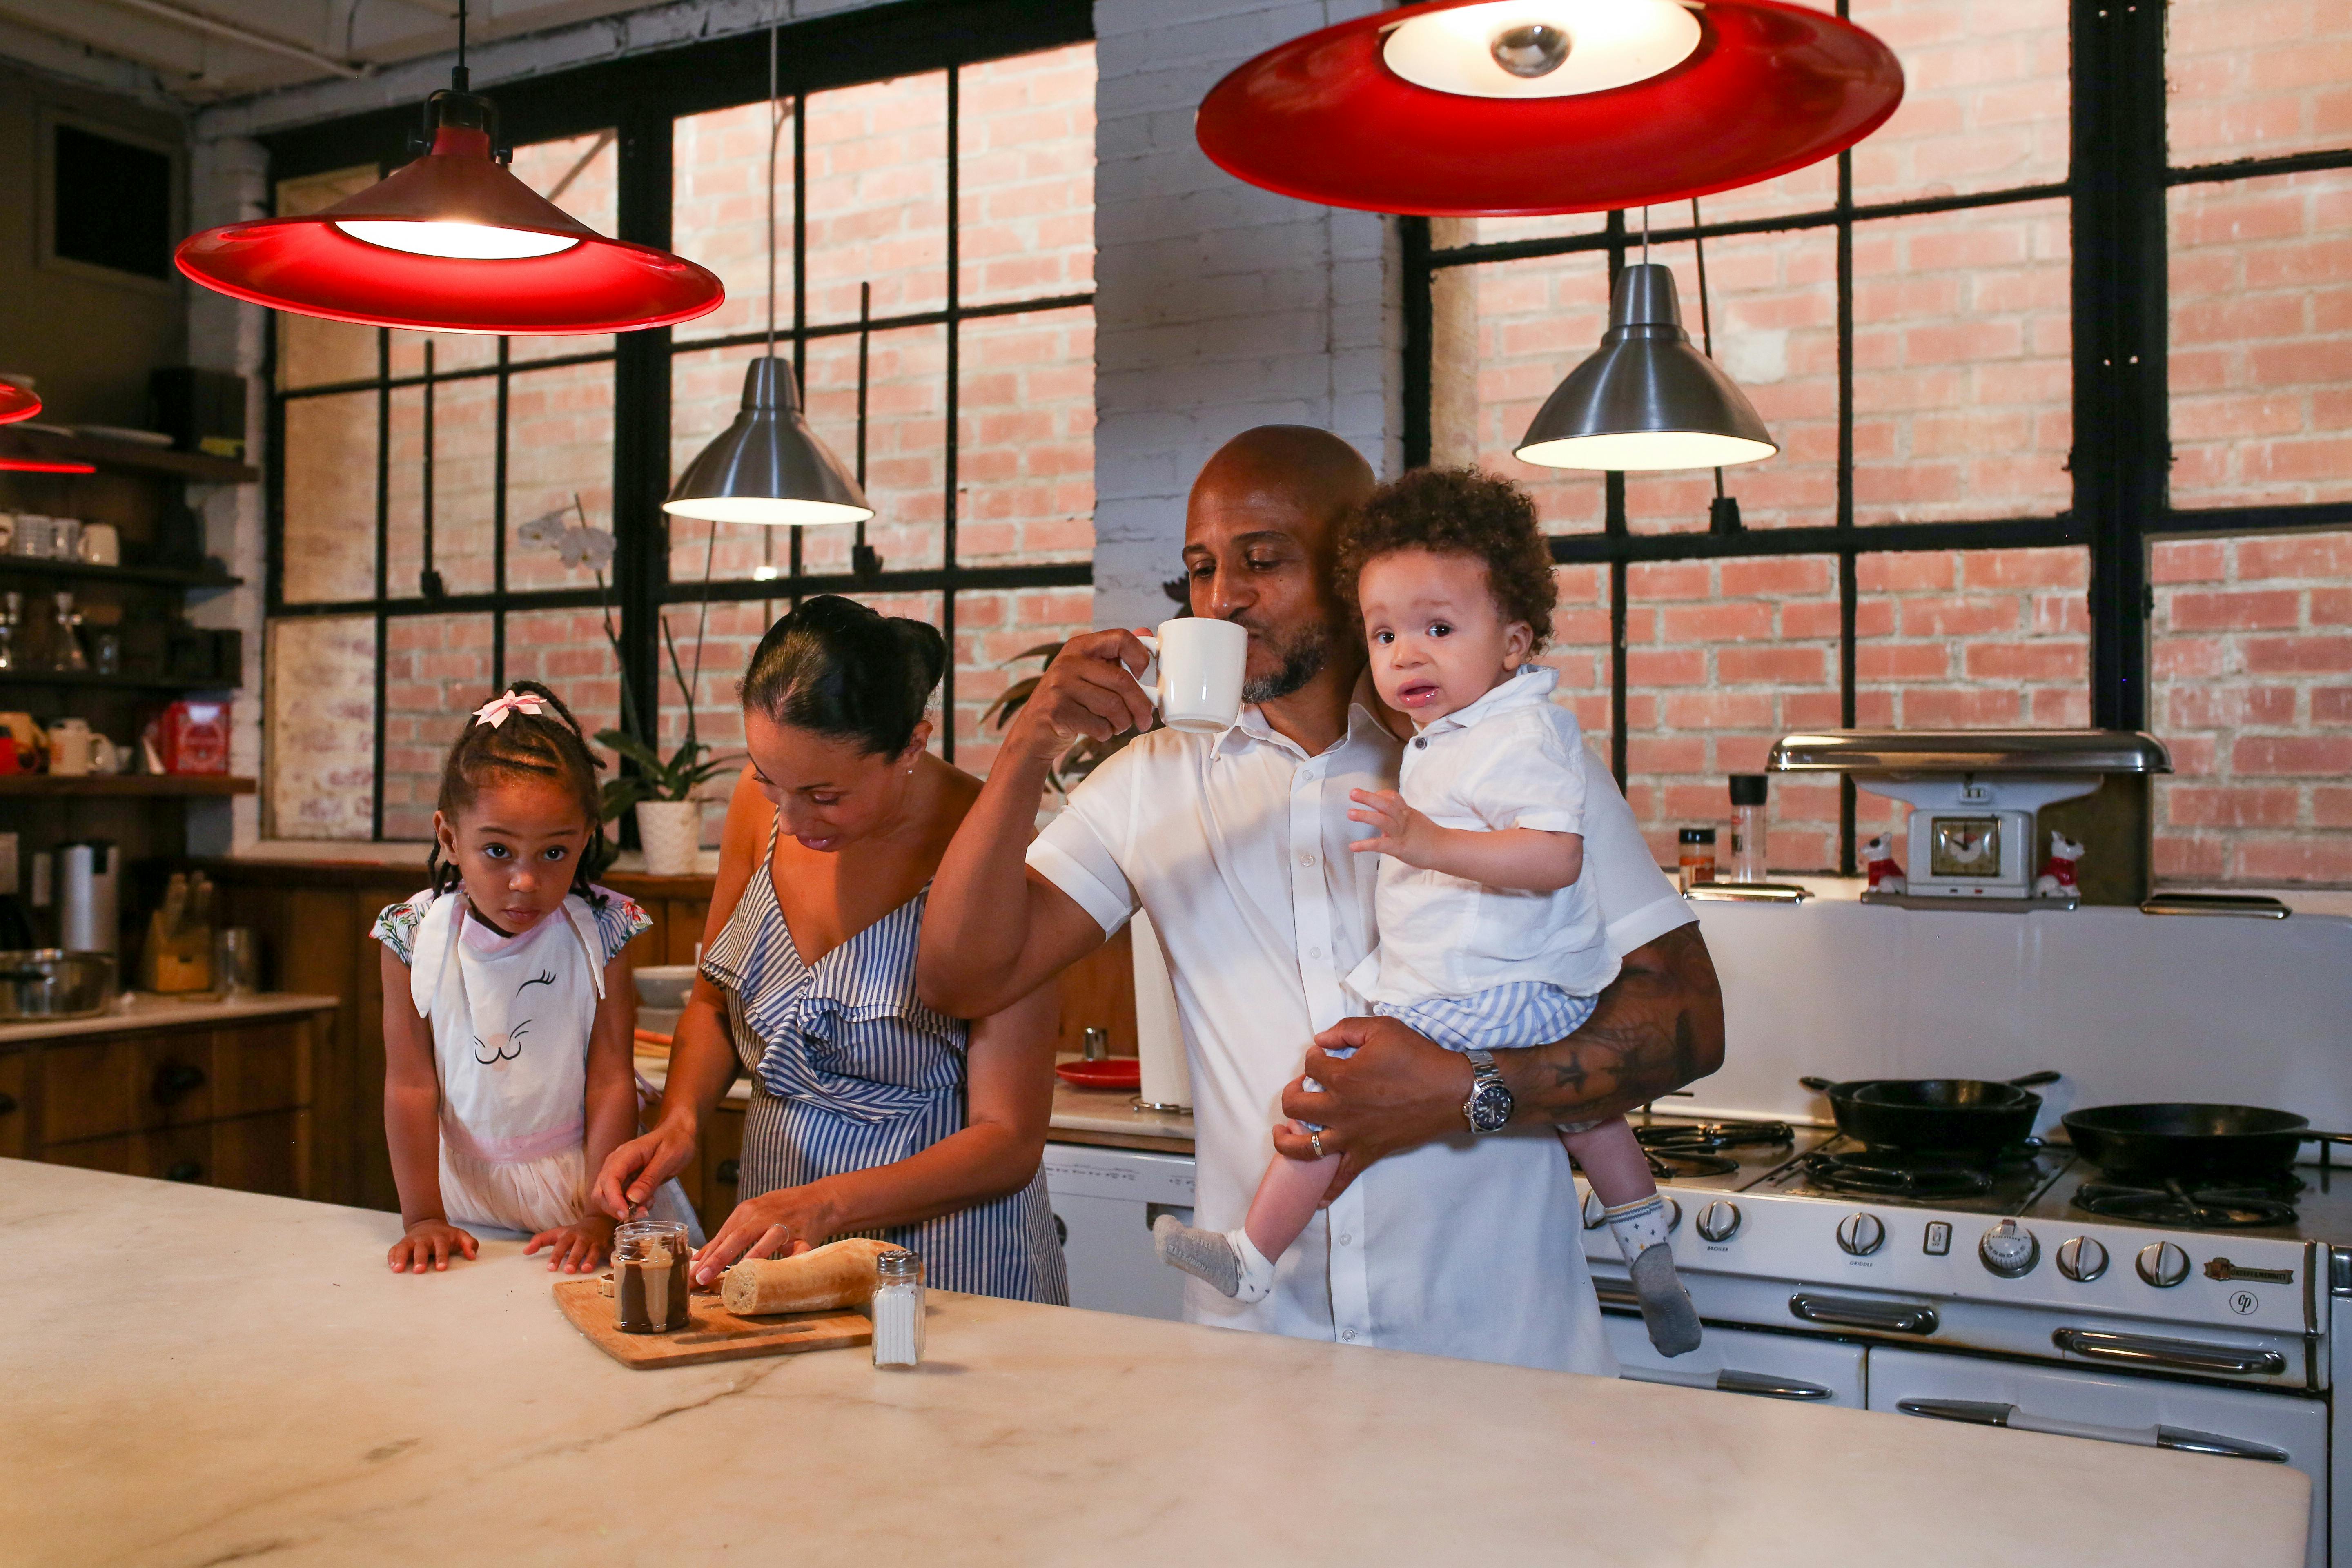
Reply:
x=722, y=1166
x=227, y=1105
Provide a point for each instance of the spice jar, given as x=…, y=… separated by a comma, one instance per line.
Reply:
x=649, y=1277
x=1698, y=856
x=898, y=1309
x=1748, y=827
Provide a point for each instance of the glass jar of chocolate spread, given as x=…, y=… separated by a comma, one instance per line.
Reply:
x=649, y=1276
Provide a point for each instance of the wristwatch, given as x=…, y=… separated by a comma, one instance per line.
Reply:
x=1489, y=1107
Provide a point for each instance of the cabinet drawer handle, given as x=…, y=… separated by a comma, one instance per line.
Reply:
x=1765, y=1387
x=729, y=1174
x=174, y=1082
x=183, y=1171
x=2175, y=1355
x=1885, y=1317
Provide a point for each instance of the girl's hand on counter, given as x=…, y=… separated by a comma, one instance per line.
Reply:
x=782, y=1223
x=429, y=1244
x=579, y=1247
x=636, y=1171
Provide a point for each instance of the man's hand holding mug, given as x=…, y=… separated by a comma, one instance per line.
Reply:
x=1103, y=683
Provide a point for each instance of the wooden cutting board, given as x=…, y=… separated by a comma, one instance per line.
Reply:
x=714, y=1333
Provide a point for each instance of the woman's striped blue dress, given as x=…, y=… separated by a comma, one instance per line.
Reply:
x=849, y=1071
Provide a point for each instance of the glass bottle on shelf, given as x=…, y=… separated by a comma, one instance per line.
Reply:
x=67, y=656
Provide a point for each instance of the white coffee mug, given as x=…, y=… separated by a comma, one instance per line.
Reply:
x=100, y=544
x=1195, y=674
x=69, y=748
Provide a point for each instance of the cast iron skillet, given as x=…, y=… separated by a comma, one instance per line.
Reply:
x=2184, y=1140
x=1940, y=1115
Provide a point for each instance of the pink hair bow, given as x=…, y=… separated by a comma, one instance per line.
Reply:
x=494, y=712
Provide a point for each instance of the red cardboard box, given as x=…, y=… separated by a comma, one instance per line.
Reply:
x=192, y=737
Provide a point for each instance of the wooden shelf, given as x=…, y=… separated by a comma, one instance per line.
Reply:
x=82, y=571
x=127, y=456
x=148, y=785
x=38, y=677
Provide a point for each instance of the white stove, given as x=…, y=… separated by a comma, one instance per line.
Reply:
x=2011, y=1308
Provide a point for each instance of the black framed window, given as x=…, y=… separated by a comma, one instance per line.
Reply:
x=949, y=203
x=1982, y=337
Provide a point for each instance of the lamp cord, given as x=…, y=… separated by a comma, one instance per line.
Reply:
x=775, y=131
x=1645, y=234
x=462, y=79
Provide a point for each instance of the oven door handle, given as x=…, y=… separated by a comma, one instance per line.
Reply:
x=1768, y=1388
x=2172, y=1355
x=1883, y=1316
x=1985, y=1413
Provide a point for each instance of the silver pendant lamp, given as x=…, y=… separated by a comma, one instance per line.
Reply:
x=1647, y=399
x=769, y=467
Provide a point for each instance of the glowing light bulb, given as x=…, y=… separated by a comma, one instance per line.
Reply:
x=460, y=241
x=1531, y=49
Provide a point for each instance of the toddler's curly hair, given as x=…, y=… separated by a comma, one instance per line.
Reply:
x=1458, y=512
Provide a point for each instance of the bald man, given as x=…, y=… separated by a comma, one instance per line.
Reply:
x=1453, y=1227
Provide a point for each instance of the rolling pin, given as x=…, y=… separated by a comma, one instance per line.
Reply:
x=838, y=1274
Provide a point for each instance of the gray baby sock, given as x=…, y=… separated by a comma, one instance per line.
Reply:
x=1224, y=1260
x=1667, y=1313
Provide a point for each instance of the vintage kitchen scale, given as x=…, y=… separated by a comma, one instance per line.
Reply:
x=1984, y=801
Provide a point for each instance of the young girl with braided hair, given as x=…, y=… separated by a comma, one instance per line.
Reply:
x=509, y=1013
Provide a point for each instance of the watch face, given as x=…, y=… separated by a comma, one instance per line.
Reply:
x=1490, y=1109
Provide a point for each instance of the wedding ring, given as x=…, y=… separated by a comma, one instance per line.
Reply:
x=1314, y=1142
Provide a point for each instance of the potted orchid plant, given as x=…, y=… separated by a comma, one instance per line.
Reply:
x=661, y=790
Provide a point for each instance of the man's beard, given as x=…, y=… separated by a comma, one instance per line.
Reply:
x=1303, y=658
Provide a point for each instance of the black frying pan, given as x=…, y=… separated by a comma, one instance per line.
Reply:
x=2190, y=1141
x=1936, y=1115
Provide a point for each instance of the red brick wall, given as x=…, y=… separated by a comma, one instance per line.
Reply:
x=2261, y=340
x=2264, y=77
x=2252, y=649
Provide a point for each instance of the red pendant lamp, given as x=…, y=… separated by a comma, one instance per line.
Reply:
x=1476, y=108
x=452, y=243
x=18, y=403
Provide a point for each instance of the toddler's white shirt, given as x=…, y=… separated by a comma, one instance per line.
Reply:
x=1508, y=759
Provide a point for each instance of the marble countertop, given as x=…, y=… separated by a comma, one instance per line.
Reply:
x=1108, y=1116
x=146, y=1010
x=197, y=1376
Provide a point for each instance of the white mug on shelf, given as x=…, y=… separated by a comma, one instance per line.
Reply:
x=69, y=748
x=100, y=544
x=1195, y=674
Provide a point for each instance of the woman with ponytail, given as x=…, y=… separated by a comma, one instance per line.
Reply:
x=871, y=1115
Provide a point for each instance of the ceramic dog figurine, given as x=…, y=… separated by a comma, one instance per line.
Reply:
x=2057, y=877
x=1878, y=862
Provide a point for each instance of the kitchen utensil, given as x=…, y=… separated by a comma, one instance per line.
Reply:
x=1194, y=678
x=665, y=986
x=1942, y=1114
x=1114, y=1072
x=69, y=748
x=89, y=918
x=713, y=1334
x=2182, y=1140
x=48, y=983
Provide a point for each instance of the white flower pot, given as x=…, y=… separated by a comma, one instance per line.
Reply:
x=671, y=832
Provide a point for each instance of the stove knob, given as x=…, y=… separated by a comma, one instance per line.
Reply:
x=1861, y=1233
x=1719, y=1221
x=2163, y=1265
x=1596, y=1213
x=1673, y=1215
x=2009, y=1250
x=2082, y=1259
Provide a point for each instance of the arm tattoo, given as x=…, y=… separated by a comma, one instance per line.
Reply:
x=1657, y=1026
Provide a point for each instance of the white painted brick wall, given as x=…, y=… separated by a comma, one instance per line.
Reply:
x=1218, y=306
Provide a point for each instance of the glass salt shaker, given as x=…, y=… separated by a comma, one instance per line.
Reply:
x=66, y=656
x=898, y=1309
x=1748, y=827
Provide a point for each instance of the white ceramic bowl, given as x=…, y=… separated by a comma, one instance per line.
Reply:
x=665, y=986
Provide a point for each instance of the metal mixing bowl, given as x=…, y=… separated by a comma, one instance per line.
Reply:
x=47, y=982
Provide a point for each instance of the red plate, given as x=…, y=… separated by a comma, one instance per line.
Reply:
x=1771, y=87
x=1113, y=1073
